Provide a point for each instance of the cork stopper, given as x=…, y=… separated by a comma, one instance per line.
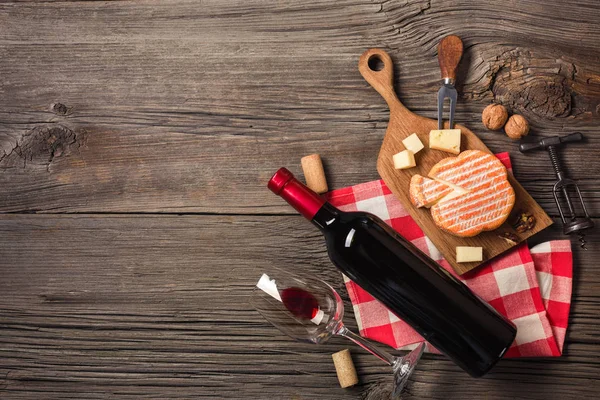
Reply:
x=345, y=368
x=314, y=173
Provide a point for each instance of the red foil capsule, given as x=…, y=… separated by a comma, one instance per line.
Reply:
x=304, y=200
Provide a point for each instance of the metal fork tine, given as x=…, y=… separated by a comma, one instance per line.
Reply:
x=441, y=96
x=450, y=93
x=452, y=108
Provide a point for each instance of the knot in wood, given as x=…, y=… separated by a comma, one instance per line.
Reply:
x=40, y=146
x=539, y=86
x=378, y=391
x=60, y=109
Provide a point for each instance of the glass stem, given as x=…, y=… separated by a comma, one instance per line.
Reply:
x=368, y=346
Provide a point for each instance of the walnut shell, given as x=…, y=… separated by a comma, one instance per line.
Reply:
x=494, y=116
x=516, y=127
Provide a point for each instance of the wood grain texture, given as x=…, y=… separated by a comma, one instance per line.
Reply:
x=160, y=93
x=182, y=106
x=404, y=123
x=157, y=307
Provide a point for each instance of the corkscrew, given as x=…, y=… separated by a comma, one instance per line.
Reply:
x=572, y=224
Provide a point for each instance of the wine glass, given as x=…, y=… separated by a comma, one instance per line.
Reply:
x=310, y=310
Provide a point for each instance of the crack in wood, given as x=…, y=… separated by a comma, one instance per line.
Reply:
x=41, y=146
x=538, y=84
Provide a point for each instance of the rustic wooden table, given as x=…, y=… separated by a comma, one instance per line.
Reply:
x=136, y=139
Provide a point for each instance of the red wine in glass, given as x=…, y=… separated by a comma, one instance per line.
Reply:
x=300, y=303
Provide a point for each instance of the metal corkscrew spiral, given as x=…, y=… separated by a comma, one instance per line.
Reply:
x=554, y=159
x=581, y=238
x=571, y=222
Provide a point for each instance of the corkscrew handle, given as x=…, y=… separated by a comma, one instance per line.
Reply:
x=572, y=137
x=550, y=141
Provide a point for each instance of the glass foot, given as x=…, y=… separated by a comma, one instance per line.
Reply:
x=403, y=369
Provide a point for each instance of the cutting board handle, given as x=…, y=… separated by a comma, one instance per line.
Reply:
x=376, y=66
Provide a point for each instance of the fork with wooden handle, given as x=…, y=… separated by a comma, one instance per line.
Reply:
x=450, y=51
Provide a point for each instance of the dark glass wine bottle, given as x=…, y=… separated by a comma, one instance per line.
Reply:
x=413, y=286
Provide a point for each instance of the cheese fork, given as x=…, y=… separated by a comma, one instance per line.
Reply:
x=450, y=51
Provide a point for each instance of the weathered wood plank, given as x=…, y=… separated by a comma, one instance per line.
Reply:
x=153, y=106
x=157, y=307
x=176, y=107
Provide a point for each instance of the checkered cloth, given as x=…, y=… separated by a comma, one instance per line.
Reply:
x=532, y=287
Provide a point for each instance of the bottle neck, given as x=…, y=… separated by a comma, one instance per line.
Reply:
x=326, y=216
x=298, y=195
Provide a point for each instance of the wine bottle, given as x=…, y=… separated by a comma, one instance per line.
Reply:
x=409, y=283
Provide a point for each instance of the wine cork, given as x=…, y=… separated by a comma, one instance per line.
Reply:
x=314, y=173
x=345, y=368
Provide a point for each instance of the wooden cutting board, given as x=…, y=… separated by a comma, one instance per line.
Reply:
x=403, y=123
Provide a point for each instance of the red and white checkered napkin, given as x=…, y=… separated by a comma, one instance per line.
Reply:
x=532, y=287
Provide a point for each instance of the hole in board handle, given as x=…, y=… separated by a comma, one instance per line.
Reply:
x=375, y=63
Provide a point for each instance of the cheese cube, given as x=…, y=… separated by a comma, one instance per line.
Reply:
x=468, y=254
x=405, y=159
x=413, y=143
x=445, y=139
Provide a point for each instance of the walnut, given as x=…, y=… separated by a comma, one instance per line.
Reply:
x=510, y=237
x=494, y=116
x=525, y=221
x=516, y=127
